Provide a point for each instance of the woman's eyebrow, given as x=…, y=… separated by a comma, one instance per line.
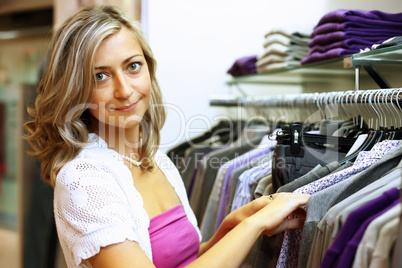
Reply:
x=123, y=63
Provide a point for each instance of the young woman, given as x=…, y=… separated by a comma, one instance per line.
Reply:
x=118, y=201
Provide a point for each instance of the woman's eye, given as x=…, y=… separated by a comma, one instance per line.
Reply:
x=100, y=77
x=134, y=66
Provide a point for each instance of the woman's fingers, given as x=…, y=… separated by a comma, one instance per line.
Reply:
x=274, y=216
x=276, y=207
x=300, y=213
x=286, y=225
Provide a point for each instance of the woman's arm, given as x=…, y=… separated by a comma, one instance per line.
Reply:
x=230, y=251
x=233, y=219
x=242, y=227
x=233, y=240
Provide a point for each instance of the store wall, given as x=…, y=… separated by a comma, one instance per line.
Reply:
x=195, y=43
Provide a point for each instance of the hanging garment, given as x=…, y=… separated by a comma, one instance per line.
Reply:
x=207, y=172
x=386, y=241
x=326, y=230
x=397, y=258
x=211, y=211
x=246, y=181
x=269, y=250
x=225, y=130
x=263, y=186
x=263, y=149
x=239, y=172
x=288, y=167
x=291, y=243
x=316, y=209
x=316, y=173
x=354, y=228
x=270, y=247
x=250, y=137
x=198, y=166
x=366, y=247
x=191, y=159
x=384, y=165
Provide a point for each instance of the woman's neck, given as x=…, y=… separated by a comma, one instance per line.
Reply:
x=125, y=141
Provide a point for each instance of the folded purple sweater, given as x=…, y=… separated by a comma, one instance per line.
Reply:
x=350, y=26
x=244, y=66
x=329, y=38
x=357, y=15
x=330, y=54
x=350, y=43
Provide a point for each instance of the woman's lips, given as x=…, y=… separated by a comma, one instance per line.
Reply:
x=126, y=108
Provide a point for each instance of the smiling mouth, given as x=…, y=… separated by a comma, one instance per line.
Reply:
x=126, y=108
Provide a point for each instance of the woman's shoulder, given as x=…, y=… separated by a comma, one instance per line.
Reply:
x=162, y=159
x=94, y=160
x=169, y=168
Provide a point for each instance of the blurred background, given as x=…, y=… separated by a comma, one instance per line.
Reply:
x=194, y=42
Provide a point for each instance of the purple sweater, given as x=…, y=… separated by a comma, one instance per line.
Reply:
x=361, y=29
x=244, y=66
x=357, y=15
x=353, y=223
x=348, y=254
x=356, y=26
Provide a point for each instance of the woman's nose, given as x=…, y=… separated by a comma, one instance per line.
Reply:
x=122, y=87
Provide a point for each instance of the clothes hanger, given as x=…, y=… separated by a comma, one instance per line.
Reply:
x=354, y=117
x=392, y=113
x=383, y=117
x=295, y=134
x=397, y=133
x=374, y=135
x=348, y=115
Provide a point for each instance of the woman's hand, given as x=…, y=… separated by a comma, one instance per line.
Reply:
x=267, y=215
x=237, y=216
x=286, y=203
x=274, y=217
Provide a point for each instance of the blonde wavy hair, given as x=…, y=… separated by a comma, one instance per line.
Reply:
x=61, y=120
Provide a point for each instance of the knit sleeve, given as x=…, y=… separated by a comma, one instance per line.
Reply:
x=91, y=211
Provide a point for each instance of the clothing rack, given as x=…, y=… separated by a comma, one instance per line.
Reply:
x=393, y=96
x=379, y=108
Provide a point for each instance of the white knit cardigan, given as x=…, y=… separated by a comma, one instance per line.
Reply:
x=96, y=203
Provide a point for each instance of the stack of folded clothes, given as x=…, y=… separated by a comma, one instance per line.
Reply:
x=282, y=50
x=298, y=49
x=344, y=32
x=276, y=43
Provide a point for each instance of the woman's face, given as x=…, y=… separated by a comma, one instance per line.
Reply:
x=123, y=85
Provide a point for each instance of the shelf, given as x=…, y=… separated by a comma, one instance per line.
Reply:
x=339, y=68
x=387, y=55
x=310, y=73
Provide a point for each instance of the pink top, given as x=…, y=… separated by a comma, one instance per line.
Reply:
x=174, y=240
